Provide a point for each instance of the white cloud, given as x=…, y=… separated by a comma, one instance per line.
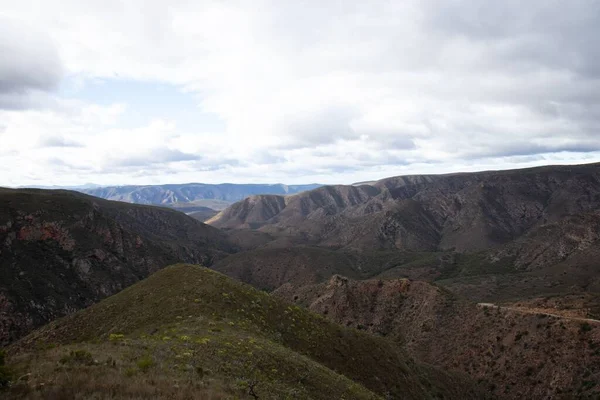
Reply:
x=308, y=91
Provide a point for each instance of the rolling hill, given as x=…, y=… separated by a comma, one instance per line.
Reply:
x=187, y=331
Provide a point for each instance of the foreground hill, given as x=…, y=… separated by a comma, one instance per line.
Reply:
x=200, y=193
x=521, y=354
x=61, y=251
x=189, y=332
x=462, y=212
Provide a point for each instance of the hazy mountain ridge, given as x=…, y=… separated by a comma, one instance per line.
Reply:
x=191, y=192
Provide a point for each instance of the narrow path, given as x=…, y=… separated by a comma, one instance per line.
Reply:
x=526, y=311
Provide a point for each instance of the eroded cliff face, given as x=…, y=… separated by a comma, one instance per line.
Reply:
x=60, y=252
x=518, y=352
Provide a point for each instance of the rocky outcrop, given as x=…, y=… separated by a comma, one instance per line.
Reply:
x=61, y=251
x=515, y=353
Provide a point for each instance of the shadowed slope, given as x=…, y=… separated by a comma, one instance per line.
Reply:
x=61, y=251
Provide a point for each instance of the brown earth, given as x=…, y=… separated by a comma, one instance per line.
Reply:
x=516, y=354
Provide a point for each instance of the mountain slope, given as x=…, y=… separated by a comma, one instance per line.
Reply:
x=191, y=192
x=519, y=354
x=61, y=251
x=198, y=330
x=270, y=268
x=465, y=212
x=554, y=258
x=203, y=215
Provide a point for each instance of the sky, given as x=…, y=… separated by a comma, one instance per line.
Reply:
x=152, y=92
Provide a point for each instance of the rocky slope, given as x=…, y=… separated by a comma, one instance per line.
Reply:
x=463, y=212
x=189, y=332
x=556, y=258
x=520, y=354
x=61, y=251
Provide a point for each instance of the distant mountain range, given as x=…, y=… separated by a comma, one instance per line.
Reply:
x=217, y=196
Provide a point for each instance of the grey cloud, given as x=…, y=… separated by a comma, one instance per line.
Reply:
x=536, y=33
x=29, y=64
x=320, y=127
x=524, y=148
x=539, y=55
x=154, y=156
x=57, y=141
x=383, y=158
x=391, y=140
x=65, y=165
x=214, y=164
x=476, y=80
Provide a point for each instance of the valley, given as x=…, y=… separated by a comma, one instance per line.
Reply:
x=491, y=277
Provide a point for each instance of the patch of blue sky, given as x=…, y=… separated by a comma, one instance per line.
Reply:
x=145, y=101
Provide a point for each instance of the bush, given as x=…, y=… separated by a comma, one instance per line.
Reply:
x=5, y=372
x=113, y=337
x=585, y=327
x=519, y=335
x=79, y=357
x=145, y=363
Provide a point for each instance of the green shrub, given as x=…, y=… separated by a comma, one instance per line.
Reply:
x=145, y=363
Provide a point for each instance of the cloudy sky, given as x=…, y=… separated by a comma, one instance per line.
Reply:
x=142, y=92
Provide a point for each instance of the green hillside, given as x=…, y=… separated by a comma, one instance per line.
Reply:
x=189, y=332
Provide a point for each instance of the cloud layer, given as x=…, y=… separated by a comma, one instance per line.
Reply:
x=29, y=64
x=306, y=91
